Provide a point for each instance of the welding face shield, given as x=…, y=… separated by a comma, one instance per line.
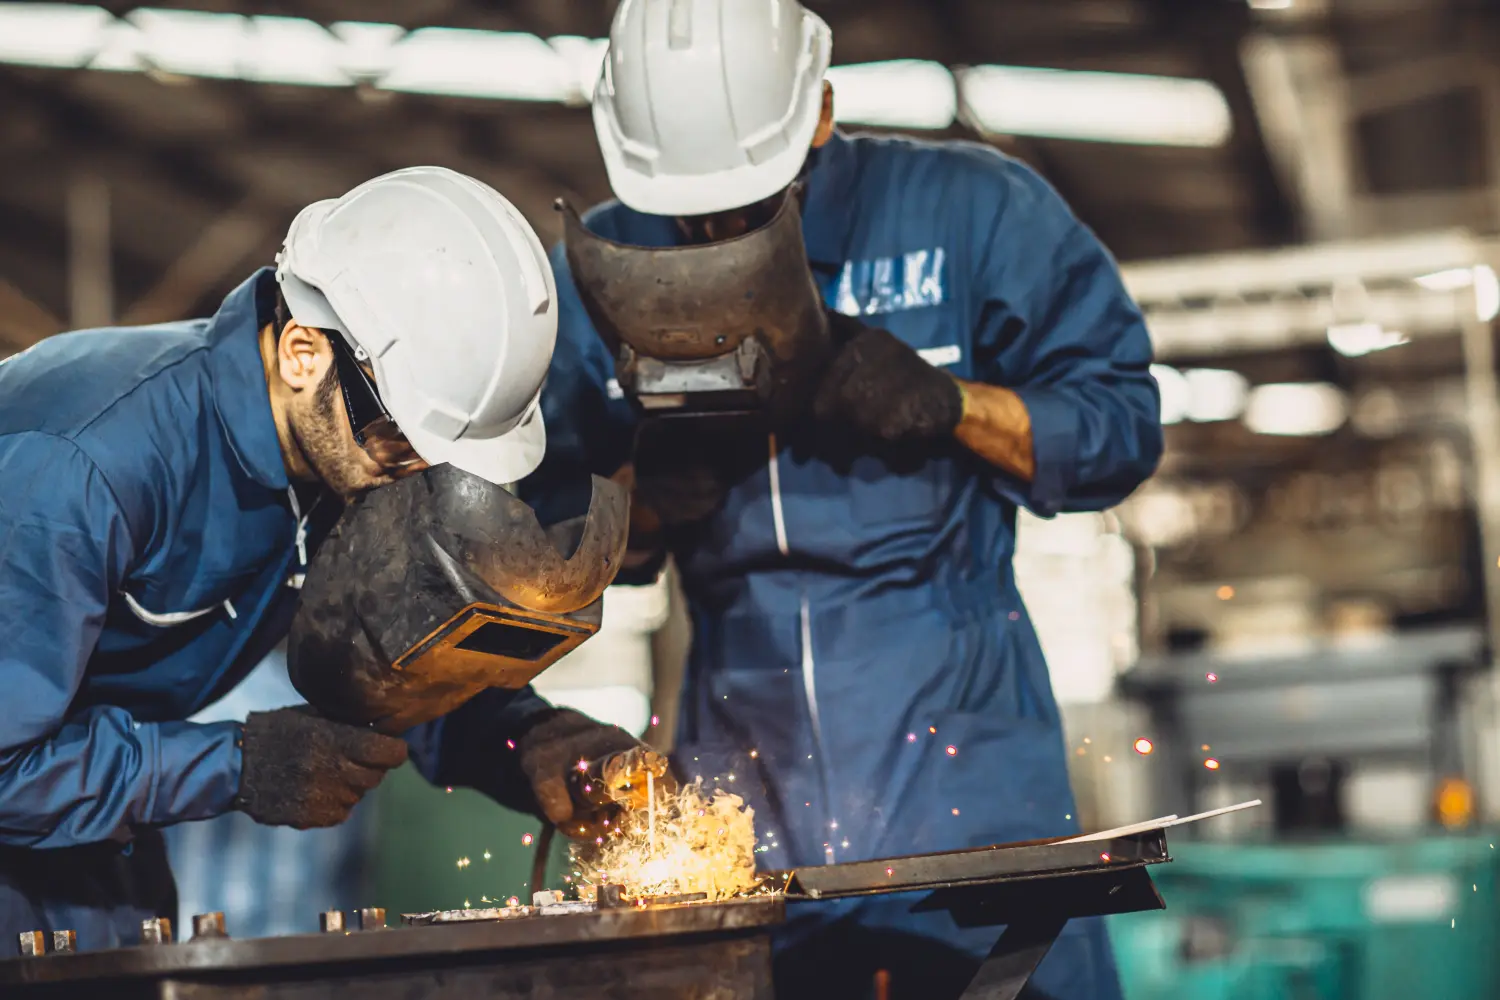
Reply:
x=735, y=326
x=440, y=585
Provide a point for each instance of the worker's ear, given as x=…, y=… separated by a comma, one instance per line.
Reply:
x=303, y=356
x=825, y=121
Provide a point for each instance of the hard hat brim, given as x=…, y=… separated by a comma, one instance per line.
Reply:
x=503, y=459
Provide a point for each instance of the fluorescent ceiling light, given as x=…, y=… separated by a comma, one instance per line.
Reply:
x=902, y=93
x=51, y=34
x=1486, y=293
x=1296, y=409
x=190, y=42
x=1100, y=107
x=1450, y=280
x=1355, y=340
x=1215, y=394
x=585, y=59
x=1271, y=4
x=292, y=50
x=1175, y=394
x=460, y=62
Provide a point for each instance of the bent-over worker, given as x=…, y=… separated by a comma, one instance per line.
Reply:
x=862, y=663
x=164, y=487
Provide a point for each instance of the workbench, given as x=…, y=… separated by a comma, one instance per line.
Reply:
x=682, y=951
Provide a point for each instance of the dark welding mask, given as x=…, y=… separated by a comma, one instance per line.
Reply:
x=734, y=326
x=440, y=585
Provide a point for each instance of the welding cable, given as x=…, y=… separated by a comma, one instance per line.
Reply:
x=539, y=863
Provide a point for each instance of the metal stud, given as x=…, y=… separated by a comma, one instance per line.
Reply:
x=64, y=941
x=372, y=918
x=332, y=921
x=156, y=930
x=33, y=943
x=209, y=925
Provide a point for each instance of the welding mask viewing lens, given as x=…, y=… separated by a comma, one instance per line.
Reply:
x=374, y=430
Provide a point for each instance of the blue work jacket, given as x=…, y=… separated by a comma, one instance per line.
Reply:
x=862, y=666
x=151, y=548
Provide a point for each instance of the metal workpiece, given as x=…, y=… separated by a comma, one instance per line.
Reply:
x=644, y=953
x=372, y=918
x=610, y=896
x=436, y=587
x=33, y=943
x=156, y=930
x=331, y=921
x=208, y=925
x=546, y=897
x=64, y=942
x=468, y=915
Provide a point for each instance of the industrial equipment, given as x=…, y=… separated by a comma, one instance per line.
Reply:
x=643, y=949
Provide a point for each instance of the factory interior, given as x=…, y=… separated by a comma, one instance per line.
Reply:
x=1301, y=606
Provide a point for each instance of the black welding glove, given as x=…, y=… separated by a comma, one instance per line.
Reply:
x=301, y=770
x=551, y=750
x=880, y=386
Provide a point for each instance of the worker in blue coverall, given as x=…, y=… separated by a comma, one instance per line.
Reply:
x=163, y=489
x=862, y=664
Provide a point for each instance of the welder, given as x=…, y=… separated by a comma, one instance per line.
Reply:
x=165, y=488
x=861, y=663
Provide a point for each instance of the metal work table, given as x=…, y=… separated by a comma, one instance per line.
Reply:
x=692, y=951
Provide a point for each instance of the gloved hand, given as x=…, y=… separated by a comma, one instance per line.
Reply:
x=553, y=747
x=301, y=770
x=880, y=386
x=679, y=495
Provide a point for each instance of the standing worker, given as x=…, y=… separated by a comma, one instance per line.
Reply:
x=163, y=489
x=862, y=664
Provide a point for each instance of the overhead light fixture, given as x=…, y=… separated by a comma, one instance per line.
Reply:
x=51, y=34
x=1355, y=340
x=585, y=59
x=902, y=93
x=1175, y=394
x=460, y=62
x=1099, y=107
x=1270, y=4
x=1450, y=280
x=1486, y=293
x=190, y=42
x=1296, y=409
x=1215, y=394
x=292, y=50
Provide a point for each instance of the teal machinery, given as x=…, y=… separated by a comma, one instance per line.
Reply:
x=1317, y=911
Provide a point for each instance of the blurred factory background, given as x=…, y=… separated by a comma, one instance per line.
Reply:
x=1300, y=607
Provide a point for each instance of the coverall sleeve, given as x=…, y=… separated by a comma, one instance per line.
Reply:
x=76, y=777
x=1057, y=326
x=473, y=746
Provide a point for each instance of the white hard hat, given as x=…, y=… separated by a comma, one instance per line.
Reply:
x=708, y=105
x=442, y=284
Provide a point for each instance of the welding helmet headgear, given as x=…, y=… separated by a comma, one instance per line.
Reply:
x=437, y=283
x=709, y=105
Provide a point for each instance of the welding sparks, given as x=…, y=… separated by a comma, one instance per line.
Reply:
x=932, y=729
x=656, y=720
x=486, y=855
x=1108, y=759
x=911, y=737
x=702, y=842
x=510, y=744
x=1211, y=677
x=582, y=765
x=951, y=751
x=525, y=841
x=1205, y=748
x=754, y=754
x=955, y=812
x=1104, y=857
x=449, y=790
x=1212, y=764
x=513, y=901
x=890, y=871
x=1144, y=746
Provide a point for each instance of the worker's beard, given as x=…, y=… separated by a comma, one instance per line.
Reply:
x=322, y=433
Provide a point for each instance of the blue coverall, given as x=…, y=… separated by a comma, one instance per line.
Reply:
x=857, y=625
x=150, y=550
